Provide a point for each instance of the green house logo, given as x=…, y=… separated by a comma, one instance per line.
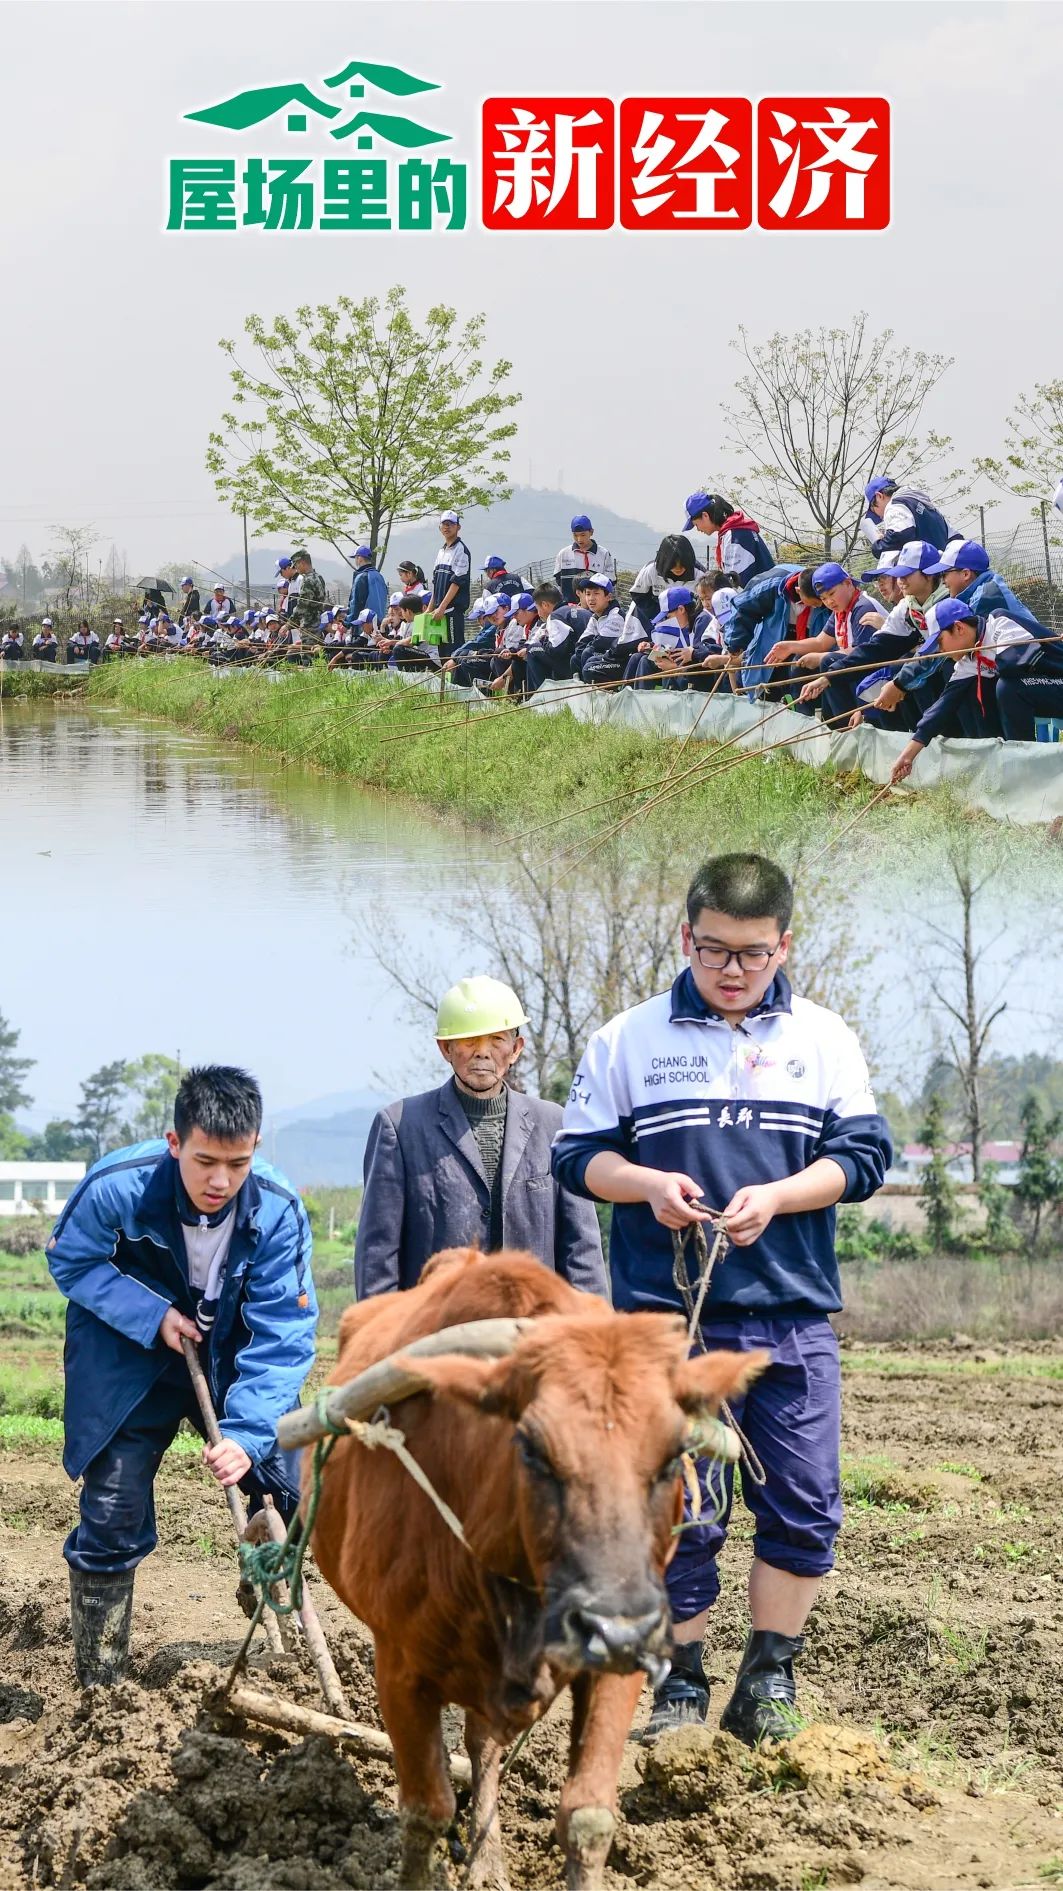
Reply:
x=384, y=170
x=297, y=102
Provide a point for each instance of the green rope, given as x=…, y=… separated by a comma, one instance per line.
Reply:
x=263, y=1565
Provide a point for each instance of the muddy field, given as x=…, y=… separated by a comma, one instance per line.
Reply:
x=934, y=1677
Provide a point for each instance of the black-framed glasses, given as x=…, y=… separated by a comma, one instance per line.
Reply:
x=716, y=958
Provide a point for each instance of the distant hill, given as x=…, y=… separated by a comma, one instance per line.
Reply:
x=321, y=1152
x=525, y=529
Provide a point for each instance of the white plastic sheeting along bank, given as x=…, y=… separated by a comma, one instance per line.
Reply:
x=1012, y=781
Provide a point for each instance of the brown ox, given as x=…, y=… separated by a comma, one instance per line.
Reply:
x=562, y=1462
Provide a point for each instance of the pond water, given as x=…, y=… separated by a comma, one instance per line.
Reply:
x=165, y=894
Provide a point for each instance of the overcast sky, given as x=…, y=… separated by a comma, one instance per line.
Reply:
x=113, y=376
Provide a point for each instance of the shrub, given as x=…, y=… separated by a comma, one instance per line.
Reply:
x=23, y=1234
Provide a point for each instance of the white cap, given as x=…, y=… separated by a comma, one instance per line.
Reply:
x=599, y=578
x=450, y=518
x=46, y=623
x=397, y=597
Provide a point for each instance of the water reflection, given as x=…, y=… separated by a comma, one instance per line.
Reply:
x=213, y=892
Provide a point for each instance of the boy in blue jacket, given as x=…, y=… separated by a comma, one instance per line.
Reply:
x=731, y=1094
x=191, y=1236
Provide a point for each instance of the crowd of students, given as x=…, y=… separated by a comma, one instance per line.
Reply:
x=938, y=645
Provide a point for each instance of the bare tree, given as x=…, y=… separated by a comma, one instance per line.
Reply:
x=67, y=565
x=816, y=414
x=577, y=952
x=952, y=972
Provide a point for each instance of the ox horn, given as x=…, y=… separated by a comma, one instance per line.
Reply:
x=386, y=1382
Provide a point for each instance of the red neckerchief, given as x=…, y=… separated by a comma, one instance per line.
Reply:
x=738, y=522
x=843, y=634
x=983, y=661
x=801, y=626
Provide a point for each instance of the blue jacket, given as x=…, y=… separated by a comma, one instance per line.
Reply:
x=118, y=1255
x=368, y=593
x=670, y=1085
x=761, y=618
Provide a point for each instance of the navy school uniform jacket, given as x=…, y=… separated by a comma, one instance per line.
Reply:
x=986, y=593
x=909, y=514
x=744, y=554
x=670, y=1085
x=118, y=1255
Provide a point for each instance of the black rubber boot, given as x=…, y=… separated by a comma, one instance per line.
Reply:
x=100, y=1610
x=682, y=1700
x=762, y=1705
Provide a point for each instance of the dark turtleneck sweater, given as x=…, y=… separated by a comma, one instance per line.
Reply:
x=487, y=1119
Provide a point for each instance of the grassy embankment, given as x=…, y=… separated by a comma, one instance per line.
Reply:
x=511, y=772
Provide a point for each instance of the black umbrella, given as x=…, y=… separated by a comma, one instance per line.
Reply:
x=154, y=584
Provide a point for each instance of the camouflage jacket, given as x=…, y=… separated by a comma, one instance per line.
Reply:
x=310, y=602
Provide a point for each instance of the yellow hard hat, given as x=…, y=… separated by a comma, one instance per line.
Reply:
x=476, y=1007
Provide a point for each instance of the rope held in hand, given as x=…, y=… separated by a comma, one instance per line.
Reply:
x=694, y=1300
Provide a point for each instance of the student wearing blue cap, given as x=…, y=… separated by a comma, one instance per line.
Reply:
x=854, y=617
x=498, y=580
x=580, y=558
x=509, y=668
x=471, y=661
x=898, y=697
x=189, y=600
x=896, y=513
x=740, y=548
x=975, y=646
x=871, y=639
x=663, y=658
x=369, y=592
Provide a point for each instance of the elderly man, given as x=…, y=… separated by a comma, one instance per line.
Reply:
x=469, y=1164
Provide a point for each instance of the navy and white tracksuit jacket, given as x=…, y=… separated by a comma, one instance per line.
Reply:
x=671, y=1085
x=571, y=564
x=910, y=514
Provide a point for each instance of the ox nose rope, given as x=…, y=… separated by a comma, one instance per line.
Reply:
x=693, y=1295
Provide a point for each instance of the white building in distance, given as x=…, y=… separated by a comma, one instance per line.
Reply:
x=37, y=1188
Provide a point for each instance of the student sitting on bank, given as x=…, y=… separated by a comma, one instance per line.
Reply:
x=46, y=643
x=11, y=647
x=192, y=1236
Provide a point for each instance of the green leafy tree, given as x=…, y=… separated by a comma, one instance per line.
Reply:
x=58, y=1141
x=938, y=1192
x=815, y=414
x=13, y=1144
x=1040, y=1185
x=100, y=1108
x=998, y=1204
x=13, y=1070
x=1033, y=448
x=151, y=1083
x=353, y=419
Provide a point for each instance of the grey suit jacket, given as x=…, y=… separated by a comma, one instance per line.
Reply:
x=425, y=1189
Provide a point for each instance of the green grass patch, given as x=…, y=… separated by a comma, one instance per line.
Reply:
x=35, y=1390
x=489, y=766
x=19, y=685
x=894, y=1366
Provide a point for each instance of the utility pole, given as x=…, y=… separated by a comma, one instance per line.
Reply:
x=247, y=567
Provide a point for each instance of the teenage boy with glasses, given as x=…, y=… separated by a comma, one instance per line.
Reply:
x=729, y=1094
